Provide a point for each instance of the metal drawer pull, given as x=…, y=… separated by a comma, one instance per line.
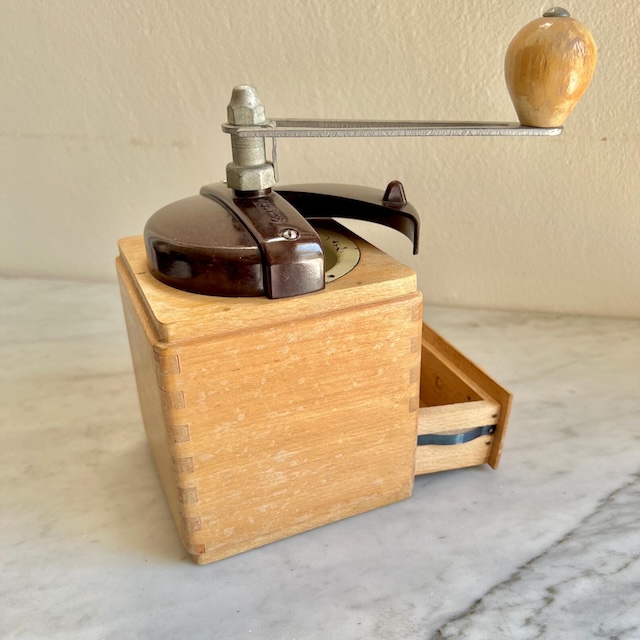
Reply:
x=455, y=438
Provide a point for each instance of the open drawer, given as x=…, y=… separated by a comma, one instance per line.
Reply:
x=463, y=412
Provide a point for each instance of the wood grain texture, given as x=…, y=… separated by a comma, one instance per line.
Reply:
x=442, y=384
x=455, y=418
x=456, y=395
x=261, y=430
x=169, y=441
x=548, y=67
x=178, y=315
x=269, y=418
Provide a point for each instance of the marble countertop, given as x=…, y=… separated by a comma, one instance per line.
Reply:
x=547, y=546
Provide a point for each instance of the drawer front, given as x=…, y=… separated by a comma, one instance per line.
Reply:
x=463, y=412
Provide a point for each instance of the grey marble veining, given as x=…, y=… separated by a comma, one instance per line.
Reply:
x=586, y=585
x=545, y=547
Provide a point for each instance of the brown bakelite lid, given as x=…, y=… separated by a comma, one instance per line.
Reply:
x=226, y=243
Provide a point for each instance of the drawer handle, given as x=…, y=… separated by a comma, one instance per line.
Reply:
x=455, y=438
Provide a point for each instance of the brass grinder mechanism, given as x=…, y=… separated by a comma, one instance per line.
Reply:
x=247, y=237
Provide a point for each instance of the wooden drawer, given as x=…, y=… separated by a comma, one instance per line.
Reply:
x=460, y=401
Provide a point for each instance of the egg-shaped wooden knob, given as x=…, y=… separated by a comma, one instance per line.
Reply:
x=548, y=66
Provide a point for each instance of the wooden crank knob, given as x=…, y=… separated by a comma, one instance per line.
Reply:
x=548, y=66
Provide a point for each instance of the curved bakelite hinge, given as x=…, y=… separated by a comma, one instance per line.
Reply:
x=389, y=208
x=292, y=255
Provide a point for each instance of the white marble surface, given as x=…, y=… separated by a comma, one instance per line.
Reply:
x=546, y=547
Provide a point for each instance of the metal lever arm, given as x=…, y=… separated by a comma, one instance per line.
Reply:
x=305, y=128
x=325, y=201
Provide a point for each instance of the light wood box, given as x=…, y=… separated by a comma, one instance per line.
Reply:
x=266, y=418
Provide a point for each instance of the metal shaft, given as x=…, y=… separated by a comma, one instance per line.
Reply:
x=249, y=170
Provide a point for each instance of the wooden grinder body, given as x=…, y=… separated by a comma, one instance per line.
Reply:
x=267, y=418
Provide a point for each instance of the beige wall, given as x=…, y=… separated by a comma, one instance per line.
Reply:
x=112, y=109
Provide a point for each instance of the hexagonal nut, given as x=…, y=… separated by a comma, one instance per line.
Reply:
x=245, y=115
x=245, y=106
x=250, y=178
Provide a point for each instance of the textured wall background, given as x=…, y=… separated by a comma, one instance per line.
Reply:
x=111, y=110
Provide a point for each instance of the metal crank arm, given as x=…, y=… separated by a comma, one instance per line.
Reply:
x=305, y=128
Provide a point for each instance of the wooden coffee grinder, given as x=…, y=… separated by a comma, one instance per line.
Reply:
x=285, y=376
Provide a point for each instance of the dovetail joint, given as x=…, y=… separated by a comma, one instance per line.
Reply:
x=166, y=366
x=188, y=496
x=180, y=433
x=173, y=400
x=169, y=365
x=183, y=465
x=193, y=524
